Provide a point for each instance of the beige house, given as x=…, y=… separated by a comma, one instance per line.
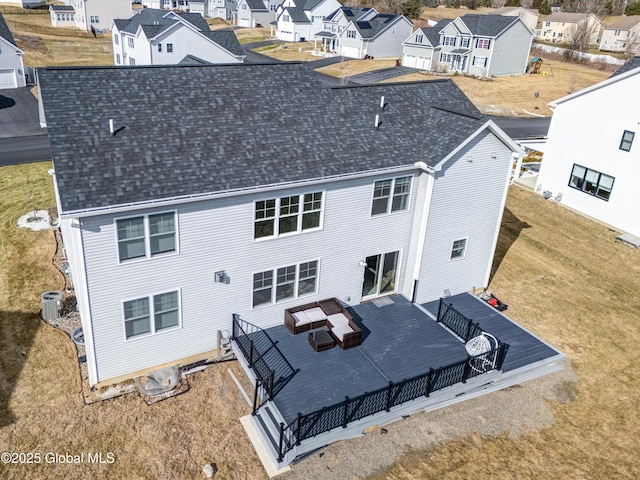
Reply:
x=561, y=27
x=622, y=37
x=89, y=14
x=528, y=16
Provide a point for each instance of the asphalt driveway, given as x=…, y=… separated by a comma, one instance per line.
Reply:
x=19, y=114
x=380, y=75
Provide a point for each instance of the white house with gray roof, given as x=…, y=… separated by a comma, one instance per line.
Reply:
x=158, y=37
x=12, y=74
x=172, y=228
x=300, y=20
x=484, y=45
x=337, y=21
x=622, y=37
x=422, y=48
x=253, y=13
x=96, y=14
x=379, y=36
x=591, y=156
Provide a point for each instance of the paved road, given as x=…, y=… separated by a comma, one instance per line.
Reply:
x=380, y=75
x=18, y=150
x=18, y=113
x=522, y=128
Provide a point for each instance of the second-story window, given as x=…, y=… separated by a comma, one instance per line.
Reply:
x=159, y=48
x=169, y=47
x=449, y=41
x=465, y=42
x=130, y=42
x=287, y=215
x=391, y=195
x=351, y=34
x=627, y=140
x=146, y=236
x=419, y=38
x=483, y=43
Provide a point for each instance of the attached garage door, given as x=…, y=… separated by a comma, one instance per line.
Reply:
x=8, y=78
x=351, y=52
x=422, y=63
x=409, y=61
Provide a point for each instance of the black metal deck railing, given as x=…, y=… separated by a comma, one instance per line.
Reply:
x=352, y=409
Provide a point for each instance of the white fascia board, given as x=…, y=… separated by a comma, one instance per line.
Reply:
x=169, y=201
x=496, y=130
x=597, y=86
x=11, y=46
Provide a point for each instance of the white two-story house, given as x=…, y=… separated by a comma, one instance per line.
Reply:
x=337, y=21
x=238, y=205
x=622, y=37
x=11, y=66
x=422, y=49
x=591, y=156
x=299, y=20
x=379, y=36
x=158, y=37
x=95, y=14
x=484, y=45
x=253, y=13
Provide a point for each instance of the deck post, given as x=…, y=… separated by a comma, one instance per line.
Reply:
x=280, y=454
x=298, y=428
x=271, y=380
x=346, y=412
x=439, y=310
x=389, y=391
x=255, y=398
x=429, y=378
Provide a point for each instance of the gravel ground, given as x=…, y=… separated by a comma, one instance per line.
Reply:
x=514, y=411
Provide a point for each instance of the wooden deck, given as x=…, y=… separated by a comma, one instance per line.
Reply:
x=400, y=340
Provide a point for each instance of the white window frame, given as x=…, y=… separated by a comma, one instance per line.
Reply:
x=483, y=43
x=478, y=58
x=419, y=38
x=152, y=323
x=295, y=282
x=169, y=47
x=130, y=42
x=627, y=140
x=391, y=196
x=465, y=42
x=455, y=248
x=351, y=34
x=449, y=41
x=278, y=215
x=147, y=237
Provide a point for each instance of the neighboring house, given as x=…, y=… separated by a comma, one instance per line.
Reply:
x=197, y=6
x=561, y=27
x=158, y=37
x=62, y=15
x=528, y=16
x=252, y=13
x=484, y=45
x=622, y=37
x=380, y=36
x=300, y=20
x=93, y=14
x=422, y=47
x=12, y=74
x=337, y=21
x=590, y=159
x=228, y=201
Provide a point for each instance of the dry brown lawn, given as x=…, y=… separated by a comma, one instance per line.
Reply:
x=48, y=50
x=288, y=52
x=512, y=95
x=354, y=67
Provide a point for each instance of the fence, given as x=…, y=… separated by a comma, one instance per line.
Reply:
x=457, y=322
x=12, y=10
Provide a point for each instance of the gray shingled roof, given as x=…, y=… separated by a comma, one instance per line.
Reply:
x=62, y=8
x=5, y=32
x=433, y=33
x=227, y=40
x=487, y=25
x=629, y=65
x=379, y=23
x=247, y=131
x=193, y=60
x=256, y=5
x=297, y=15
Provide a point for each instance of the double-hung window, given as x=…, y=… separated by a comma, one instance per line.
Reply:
x=465, y=42
x=627, y=140
x=391, y=195
x=146, y=236
x=159, y=48
x=483, y=43
x=479, y=61
x=458, y=249
x=149, y=315
x=351, y=34
x=169, y=47
x=283, y=283
x=130, y=42
x=591, y=182
x=419, y=38
x=449, y=41
x=286, y=215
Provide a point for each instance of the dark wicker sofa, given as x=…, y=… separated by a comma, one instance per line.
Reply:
x=329, y=313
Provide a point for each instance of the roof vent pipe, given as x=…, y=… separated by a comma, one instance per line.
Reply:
x=382, y=101
x=112, y=130
x=377, y=121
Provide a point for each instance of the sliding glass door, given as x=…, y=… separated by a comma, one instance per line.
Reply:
x=380, y=275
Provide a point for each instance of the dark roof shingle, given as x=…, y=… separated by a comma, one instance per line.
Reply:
x=5, y=32
x=631, y=64
x=487, y=25
x=246, y=132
